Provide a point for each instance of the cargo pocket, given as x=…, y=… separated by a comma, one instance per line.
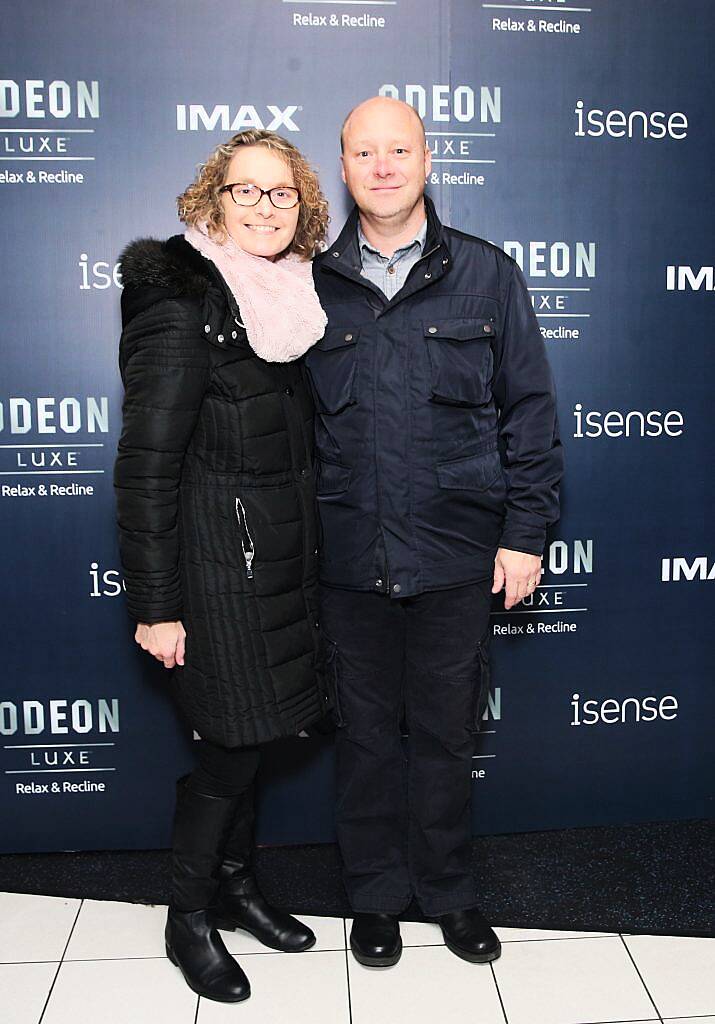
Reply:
x=460, y=359
x=482, y=681
x=332, y=367
x=332, y=478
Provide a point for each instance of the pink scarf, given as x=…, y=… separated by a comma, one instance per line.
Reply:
x=278, y=302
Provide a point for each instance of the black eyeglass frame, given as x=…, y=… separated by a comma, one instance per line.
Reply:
x=264, y=192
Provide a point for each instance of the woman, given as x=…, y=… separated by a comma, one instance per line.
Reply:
x=216, y=515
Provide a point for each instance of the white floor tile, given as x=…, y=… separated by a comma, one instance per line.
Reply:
x=106, y=931
x=34, y=927
x=418, y=933
x=329, y=934
x=120, y=992
x=428, y=984
x=531, y=934
x=24, y=990
x=679, y=972
x=308, y=988
x=688, y=1020
x=570, y=981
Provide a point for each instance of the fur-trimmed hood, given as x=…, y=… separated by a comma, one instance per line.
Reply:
x=173, y=264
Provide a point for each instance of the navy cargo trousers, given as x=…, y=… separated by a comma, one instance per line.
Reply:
x=403, y=812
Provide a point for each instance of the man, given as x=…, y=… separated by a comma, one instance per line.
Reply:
x=438, y=467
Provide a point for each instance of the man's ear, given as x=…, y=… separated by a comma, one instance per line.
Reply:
x=342, y=168
x=428, y=161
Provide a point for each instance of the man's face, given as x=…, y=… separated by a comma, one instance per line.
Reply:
x=385, y=161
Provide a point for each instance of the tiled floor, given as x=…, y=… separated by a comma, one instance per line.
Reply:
x=68, y=961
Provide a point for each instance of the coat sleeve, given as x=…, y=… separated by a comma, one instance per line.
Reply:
x=525, y=396
x=164, y=364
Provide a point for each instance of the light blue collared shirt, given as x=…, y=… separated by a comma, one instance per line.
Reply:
x=389, y=273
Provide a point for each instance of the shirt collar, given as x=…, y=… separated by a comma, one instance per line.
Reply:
x=419, y=240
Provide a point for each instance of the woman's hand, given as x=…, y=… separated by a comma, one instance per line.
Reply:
x=165, y=640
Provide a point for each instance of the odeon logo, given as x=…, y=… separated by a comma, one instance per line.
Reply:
x=612, y=711
x=445, y=103
x=633, y=423
x=194, y=117
x=33, y=98
x=51, y=415
x=619, y=124
x=59, y=717
x=681, y=279
x=454, y=108
x=672, y=570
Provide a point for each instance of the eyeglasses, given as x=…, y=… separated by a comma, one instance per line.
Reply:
x=283, y=197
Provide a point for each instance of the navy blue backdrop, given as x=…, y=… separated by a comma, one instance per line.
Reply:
x=579, y=138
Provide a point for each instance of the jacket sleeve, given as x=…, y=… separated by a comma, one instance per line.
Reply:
x=164, y=364
x=525, y=396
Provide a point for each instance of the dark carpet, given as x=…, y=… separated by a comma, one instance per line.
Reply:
x=654, y=878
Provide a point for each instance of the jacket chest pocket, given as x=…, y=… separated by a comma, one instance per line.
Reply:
x=332, y=366
x=460, y=358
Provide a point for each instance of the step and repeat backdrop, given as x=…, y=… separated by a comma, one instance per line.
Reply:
x=576, y=135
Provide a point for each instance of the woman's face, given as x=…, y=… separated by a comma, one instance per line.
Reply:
x=261, y=230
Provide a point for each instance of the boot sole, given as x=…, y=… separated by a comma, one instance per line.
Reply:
x=201, y=992
x=376, y=961
x=227, y=925
x=473, y=958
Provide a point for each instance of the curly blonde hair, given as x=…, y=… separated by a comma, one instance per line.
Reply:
x=201, y=200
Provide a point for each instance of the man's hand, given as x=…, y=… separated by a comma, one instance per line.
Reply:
x=165, y=640
x=518, y=573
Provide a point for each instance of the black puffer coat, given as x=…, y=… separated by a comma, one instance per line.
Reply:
x=216, y=503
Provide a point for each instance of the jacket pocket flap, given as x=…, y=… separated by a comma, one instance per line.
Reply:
x=332, y=478
x=338, y=337
x=459, y=329
x=475, y=472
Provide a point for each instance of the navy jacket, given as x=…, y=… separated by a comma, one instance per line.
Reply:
x=436, y=432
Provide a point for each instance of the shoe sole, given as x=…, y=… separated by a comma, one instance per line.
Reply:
x=473, y=958
x=376, y=961
x=226, y=925
x=200, y=992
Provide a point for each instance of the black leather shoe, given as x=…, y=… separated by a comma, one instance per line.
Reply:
x=240, y=904
x=468, y=935
x=375, y=940
x=197, y=949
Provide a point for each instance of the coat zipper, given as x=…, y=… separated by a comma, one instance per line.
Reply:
x=246, y=541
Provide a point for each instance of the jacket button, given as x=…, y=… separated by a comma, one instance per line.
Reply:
x=207, y=328
x=336, y=254
x=316, y=624
x=487, y=328
x=396, y=589
x=378, y=583
x=315, y=551
x=234, y=334
x=445, y=262
x=348, y=337
x=289, y=392
x=427, y=277
x=304, y=472
x=220, y=337
x=431, y=330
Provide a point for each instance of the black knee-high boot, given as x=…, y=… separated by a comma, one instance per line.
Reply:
x=201, y=825
x=239, y=902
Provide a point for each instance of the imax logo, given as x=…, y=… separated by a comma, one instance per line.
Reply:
x=444, y=103
x=193, y=117
x=681, y=278
x=674, y=569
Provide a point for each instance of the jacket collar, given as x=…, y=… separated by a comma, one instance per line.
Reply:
x=344, y=253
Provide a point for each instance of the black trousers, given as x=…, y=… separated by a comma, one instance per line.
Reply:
x=224, y=771
x=403, y=813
